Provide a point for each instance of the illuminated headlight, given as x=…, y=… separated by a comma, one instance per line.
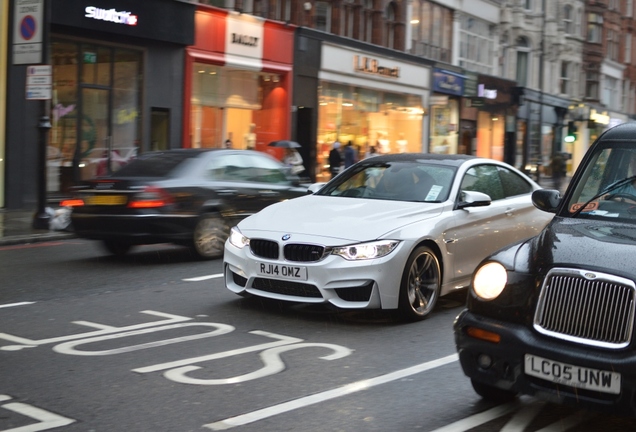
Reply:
x=362, y=251
x=490, y=280
x=238, y=239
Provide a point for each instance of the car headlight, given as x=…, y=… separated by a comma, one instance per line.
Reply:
x=362, y=251
x=238, y=239
x=490, y=280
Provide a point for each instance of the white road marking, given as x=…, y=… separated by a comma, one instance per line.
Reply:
x=282, y=340
x=567, y=423
x=273, y=364
x=69, y=347
x=479, y=419
x=47, y=420
x=15, y=304
x=29, y=343
x=523, y=418
x=4, y=398
x=202, y=278
x=327, y=395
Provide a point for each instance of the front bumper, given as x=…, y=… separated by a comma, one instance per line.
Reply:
x=507, y=369
x=364, y=284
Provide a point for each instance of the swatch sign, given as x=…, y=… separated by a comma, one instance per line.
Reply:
x=111, y=15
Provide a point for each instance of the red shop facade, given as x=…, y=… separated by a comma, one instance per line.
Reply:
x=238, y=81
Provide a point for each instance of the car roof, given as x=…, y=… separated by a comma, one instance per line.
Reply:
x=452, y=159
x=624, y=132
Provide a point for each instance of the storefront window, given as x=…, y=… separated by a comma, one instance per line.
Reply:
x=100, y=85
x=444, y=121
x=234, y=107
x=374, y=121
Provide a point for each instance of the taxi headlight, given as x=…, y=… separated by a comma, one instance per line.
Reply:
x=238, y=239
x=362, y=251
x=489, y=281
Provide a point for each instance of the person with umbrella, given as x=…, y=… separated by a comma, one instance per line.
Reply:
x=292, y=158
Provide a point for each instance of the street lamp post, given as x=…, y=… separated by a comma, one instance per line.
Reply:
x=41, y=218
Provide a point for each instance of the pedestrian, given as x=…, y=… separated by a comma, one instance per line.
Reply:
x=349, y=155
x=228, y=143
x=294, y=161
x=335, y=159
x=557, y=165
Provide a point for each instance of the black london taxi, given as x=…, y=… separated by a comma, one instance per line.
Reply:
x=553, y=316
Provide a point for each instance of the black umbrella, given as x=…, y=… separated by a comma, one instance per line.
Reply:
x=284, y=144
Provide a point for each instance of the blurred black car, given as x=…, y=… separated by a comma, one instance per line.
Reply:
x=553, y=316
x=185, y=196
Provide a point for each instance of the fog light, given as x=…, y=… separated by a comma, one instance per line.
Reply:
x=484, y=361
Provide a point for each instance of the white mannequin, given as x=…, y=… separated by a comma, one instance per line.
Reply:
x=402, y=144
x=250, y=138
x=383, y=144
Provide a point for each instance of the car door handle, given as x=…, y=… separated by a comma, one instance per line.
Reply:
x=268, y=193
x=227, y=192
x=510, y=212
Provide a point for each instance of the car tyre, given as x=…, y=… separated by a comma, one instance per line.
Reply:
x=420, y=286
x=116, y=247
x=491, y=393
x=209, y=236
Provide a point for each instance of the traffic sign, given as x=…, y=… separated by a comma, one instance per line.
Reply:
x=27, y=34
x=39, y=82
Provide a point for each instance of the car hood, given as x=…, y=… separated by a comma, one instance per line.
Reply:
x=349, y=219
x=579, y=243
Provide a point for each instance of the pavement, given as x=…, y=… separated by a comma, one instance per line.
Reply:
x=16, y=226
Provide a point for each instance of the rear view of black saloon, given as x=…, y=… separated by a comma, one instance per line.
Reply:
x=553, y=316
x=188, y=196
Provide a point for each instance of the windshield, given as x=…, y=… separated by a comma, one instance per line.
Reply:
x=397, y=181
x=607, y=188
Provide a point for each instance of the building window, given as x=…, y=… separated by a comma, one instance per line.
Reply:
x=565, y=78
x=591, y=82
x=611, y=92
x=432, y=37
x=476, y=45
x=612, y=45
x=323, y=16
x=367, y=30
x=283, y=10
x=567, y=19
x=594, y=27
x=389, y=37
x=348, y=22
x=523, y=52
x=629, y=8
x=577, y=21
x=628, y=48
x=527, y=4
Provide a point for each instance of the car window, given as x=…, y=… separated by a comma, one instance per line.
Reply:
x=398, y=181
x=246, y=167
x=155, y=164
x=513, y=184
x=485, y=179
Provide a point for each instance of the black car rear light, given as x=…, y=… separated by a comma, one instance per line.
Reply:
x=72, y=202
x=151, y=197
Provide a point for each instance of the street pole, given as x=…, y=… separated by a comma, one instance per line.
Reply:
x=541, y=66
x=41, y=218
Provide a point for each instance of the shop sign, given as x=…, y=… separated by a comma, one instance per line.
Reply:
x=470, y=84
x=244, y=41
x=445, y=82
x=372, y=66
x=39, y=82
x=476, y=102
x=90, y=58
x=598, y=117
x=111, y=15
x=439, y=100
x=485, y=93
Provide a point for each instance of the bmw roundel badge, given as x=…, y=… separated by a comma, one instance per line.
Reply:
x=286, y=237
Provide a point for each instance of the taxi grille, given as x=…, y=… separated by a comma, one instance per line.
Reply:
x=264, y=248
x=289, y=288
x=586, y=307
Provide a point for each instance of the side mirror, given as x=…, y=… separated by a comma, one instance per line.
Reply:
x=473, y=199
x=546, y=199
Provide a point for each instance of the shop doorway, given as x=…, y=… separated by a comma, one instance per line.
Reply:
x=95, y=144
x=159, y=129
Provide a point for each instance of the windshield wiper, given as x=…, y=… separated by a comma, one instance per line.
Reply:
x=608, y=189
